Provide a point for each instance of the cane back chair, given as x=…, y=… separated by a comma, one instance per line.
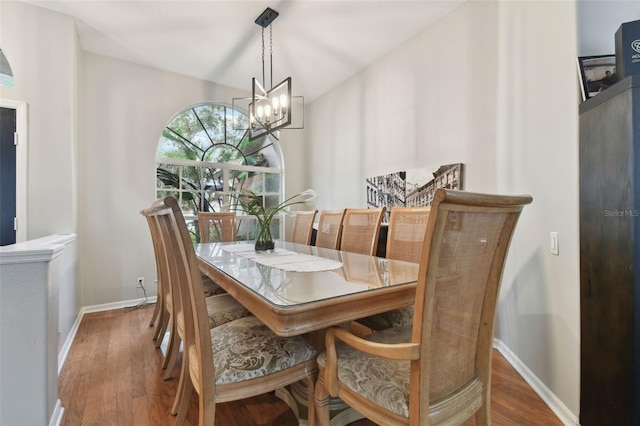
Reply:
x=437, y=370
x=360, y=230
x=303, y=227
x=236, y=360
x=405, y=237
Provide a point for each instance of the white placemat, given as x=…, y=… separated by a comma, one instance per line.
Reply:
x=285, y=259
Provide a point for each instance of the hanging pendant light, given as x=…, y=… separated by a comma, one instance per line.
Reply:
x=269, y=109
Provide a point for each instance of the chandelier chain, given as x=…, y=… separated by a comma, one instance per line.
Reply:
x=271, y=55
x=263, y=80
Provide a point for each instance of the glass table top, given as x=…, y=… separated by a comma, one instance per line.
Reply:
x=351, y=273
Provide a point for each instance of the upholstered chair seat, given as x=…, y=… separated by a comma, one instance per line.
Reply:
x=396, y=318
x=223, y=308
x=382, y=381
x=246, y=349
x=211, y=288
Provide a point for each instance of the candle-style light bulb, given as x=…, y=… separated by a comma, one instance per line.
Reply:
x=275, y=102
x=260, y=112
x=283, y=103
x=267, y=113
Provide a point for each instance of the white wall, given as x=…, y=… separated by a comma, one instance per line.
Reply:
x=492, y=85
x=598, y=21
x=41, y=47
x=43, y=50
x=539, y=312
x=428, y=103
x=125, y=107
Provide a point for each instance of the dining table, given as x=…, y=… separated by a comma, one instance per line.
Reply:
x=301, y=289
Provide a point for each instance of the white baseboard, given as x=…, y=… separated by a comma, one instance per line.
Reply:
x=64, y=351
x=549, y=398
x=116, y=305
x=58, y=412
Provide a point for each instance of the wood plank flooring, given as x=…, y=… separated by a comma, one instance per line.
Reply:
x=112, y=376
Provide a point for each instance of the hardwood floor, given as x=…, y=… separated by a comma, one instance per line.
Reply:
x=112, y=376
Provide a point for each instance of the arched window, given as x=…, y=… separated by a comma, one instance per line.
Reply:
x=202, y=157
x=6, y=75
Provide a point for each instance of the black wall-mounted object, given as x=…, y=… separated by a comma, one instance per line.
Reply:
x=628, y=49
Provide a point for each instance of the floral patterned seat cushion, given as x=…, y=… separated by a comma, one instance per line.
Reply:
x=382, y=381
x=396, y=318
x=246, y=349
x=211, y=288
x=223, y=308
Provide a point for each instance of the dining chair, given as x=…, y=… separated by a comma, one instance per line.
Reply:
x=160, y=312
x=303, y=227
x=360, y=230
x=221, y=308
x=330, y=229
x=236, y=360
x=437, y=370
x=405, y=237
x=217, y=226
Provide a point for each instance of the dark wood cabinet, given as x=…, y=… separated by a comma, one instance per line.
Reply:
x=609, y=167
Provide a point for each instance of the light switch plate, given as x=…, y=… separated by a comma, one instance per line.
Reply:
x=553, y=243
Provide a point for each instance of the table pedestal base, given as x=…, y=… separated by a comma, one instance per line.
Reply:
x=296, y=397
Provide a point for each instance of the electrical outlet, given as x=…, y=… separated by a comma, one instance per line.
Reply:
x=140, y=282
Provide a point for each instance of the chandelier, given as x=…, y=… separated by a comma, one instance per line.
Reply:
x=269, y=109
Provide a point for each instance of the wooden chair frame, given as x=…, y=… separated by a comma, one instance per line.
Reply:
x=331, y=220
x=163, y=226
x=357, y=238
x=397, y=247
x=159, y=218
x=224, y=223
x=455, y=405
x=160, y=312
x=405, y=238
x=302, y=229
x=198, y=368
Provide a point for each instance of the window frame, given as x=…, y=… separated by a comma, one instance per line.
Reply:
x=247, y=224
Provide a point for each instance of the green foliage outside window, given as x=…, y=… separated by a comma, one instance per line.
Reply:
x=205, y=134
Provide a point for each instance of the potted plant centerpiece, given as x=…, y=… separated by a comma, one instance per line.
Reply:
x=252, y=203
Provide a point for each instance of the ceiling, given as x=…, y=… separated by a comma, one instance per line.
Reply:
x=319, y=43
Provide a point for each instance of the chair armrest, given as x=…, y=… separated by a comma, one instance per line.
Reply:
x=400, y=351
